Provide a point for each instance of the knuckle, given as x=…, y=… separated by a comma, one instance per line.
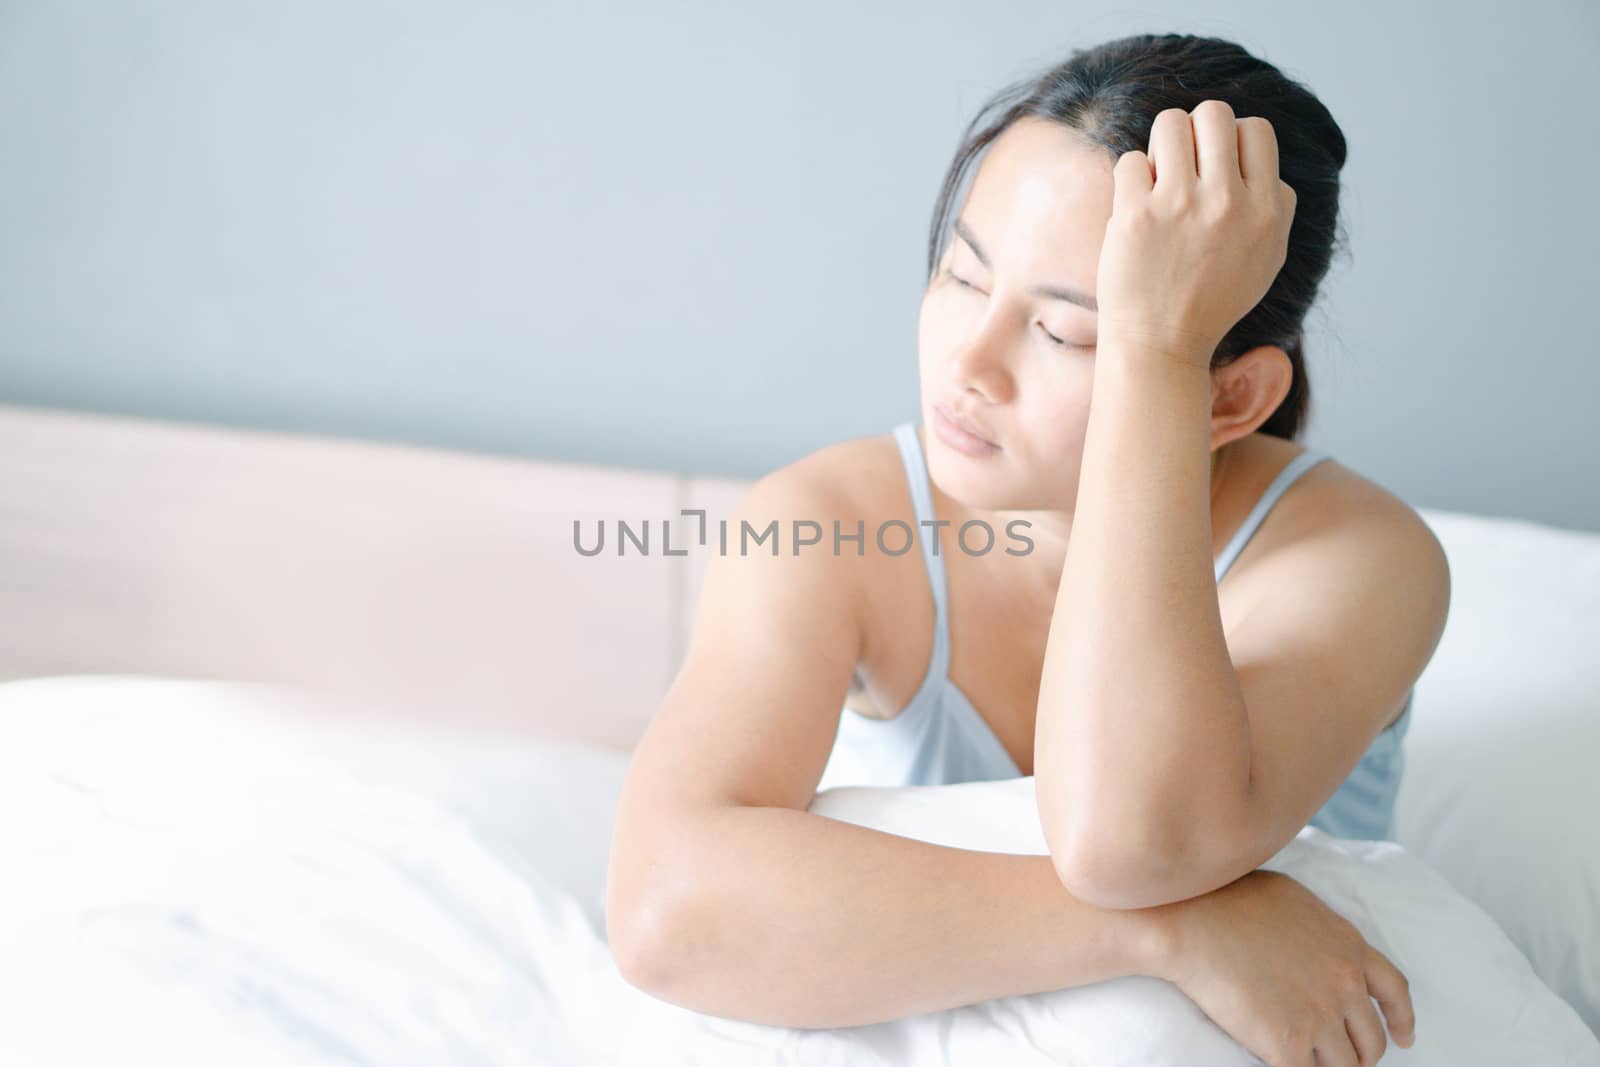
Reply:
x=1295, y=1034
x=1226, y=203
x=1220, y=106
x=1292, y=1051
x=1138, y=218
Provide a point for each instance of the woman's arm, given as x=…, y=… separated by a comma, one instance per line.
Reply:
x=1142, y=732
x=807, y=921
x=795, y=919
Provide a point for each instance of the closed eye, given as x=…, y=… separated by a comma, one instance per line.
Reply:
x=968, y=285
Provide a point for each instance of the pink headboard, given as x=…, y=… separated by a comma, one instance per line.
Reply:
x=425, y=580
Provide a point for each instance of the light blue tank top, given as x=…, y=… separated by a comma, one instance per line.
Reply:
x=940, y=739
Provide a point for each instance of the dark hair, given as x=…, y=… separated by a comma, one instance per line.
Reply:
x=1110, y=95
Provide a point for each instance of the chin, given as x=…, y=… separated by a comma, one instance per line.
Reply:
x=989, y=485
x=981, y=484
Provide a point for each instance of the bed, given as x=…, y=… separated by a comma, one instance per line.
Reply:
x=311, y=748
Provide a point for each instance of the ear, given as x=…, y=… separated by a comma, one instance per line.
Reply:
x=1246, y=392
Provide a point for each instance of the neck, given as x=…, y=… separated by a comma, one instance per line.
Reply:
x=1050, y=530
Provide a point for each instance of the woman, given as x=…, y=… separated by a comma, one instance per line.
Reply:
x=1148, y=227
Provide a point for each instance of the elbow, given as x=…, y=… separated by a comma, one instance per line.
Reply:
x=1110, y=863
x=650, y=899
x=644, y=920
x=1117, y=871
x=1104, y=881
x=639, y=934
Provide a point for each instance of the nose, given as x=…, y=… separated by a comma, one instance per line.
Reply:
x=979, y=363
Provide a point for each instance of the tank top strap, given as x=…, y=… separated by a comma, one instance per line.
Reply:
x=1252, y=522
x=928, y=536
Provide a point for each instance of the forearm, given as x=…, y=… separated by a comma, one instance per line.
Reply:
x=794, y=919
x=1141, y=730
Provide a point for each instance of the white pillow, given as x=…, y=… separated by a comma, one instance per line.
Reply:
x=1499, y=793
x=1477, y=1000
x=550, y=801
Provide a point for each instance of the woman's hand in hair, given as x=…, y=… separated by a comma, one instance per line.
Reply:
x=1199, y=229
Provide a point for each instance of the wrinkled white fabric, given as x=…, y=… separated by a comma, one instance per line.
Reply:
x=190, y=882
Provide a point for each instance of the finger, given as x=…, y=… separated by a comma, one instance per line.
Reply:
x=1131, y=179
x=1366, y=1032
x=1393, y=993
x=1172, y=149
x=1258, y=154
x=1216, y=140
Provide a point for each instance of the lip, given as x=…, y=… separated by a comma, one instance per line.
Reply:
x=958, y=435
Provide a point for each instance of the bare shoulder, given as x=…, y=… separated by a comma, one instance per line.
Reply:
x=1346, y=544
x=1336, y=520
x=1383, y=525
x=850, y=481
x=1346, y=500
x=851, y=475
x=1328, y=499
x=794, y=511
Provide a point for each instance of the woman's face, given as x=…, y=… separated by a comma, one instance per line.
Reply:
x=1015, y=363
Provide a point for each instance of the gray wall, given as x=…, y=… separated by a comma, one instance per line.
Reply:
x=691, y=235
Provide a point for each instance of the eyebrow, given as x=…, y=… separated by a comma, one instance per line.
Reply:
x=1071, y=296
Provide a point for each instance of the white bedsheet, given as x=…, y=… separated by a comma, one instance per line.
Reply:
x=189, y=883
x=192, y=883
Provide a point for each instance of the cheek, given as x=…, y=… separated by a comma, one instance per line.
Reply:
x=936, y=336
x=927, y=335
x=1058, y=420
x=941, y=320
x=1057, y=393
